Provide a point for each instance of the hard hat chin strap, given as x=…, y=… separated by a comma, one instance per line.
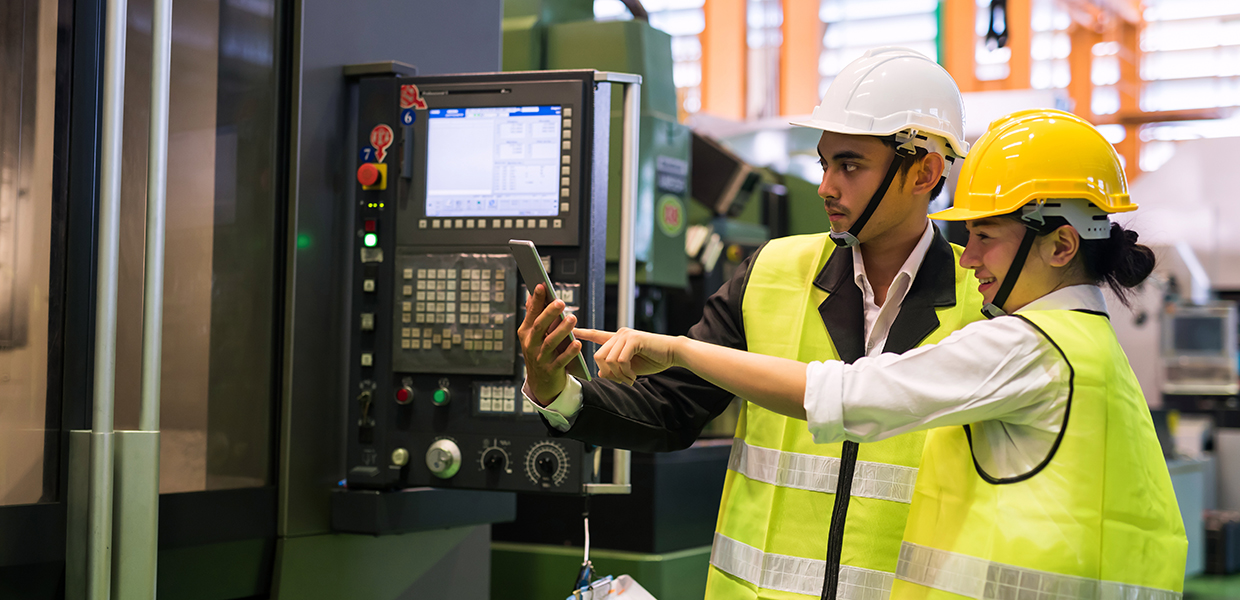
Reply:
x=848, y=239
x=994, y=308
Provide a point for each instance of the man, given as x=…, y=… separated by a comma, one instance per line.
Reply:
x=881, y=281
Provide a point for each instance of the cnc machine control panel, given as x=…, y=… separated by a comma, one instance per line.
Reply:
x=448, y=169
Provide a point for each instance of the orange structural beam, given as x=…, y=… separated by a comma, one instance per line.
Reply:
x=1129, y=87
x=723, y=59
x=1081, y=65
x=956, y=30
x=798, y=57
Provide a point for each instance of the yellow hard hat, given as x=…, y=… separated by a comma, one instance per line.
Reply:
x=1045, y=157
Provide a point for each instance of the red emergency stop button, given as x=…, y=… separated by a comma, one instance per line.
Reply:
x=369, y=175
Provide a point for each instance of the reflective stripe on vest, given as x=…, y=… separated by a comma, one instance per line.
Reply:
x=794, y=574
x=819, y=473
x=980, y=578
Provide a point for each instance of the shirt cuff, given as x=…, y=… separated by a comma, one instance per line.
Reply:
x=563, y=410
x=824, y=411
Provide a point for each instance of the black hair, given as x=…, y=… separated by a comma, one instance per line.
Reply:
x=910, y=160
x=1118, y=261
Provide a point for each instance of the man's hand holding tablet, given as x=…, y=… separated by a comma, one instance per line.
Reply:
x=546, y=334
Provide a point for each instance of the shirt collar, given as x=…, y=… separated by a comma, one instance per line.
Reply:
x=911, y=264
x=1074, y=297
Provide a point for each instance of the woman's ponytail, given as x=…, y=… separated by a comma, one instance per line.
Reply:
x=1118, y=261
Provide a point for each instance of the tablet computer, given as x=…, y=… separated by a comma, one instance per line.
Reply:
x=533, y=273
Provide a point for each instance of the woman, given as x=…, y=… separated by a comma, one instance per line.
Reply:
x=1042, y=476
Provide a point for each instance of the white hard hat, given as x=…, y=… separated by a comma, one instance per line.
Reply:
x=890, y=90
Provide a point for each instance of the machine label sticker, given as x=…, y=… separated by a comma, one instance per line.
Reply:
x=411, y=97
x=407, y=116
x=671, y=213
x=672, y=174
x=381, y=137
x=366, y=155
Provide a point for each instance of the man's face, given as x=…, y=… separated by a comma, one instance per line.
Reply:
x=853, y=166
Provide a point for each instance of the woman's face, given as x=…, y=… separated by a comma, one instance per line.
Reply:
x=993, y=243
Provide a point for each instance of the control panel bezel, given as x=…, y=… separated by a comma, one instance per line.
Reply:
x=403, y=418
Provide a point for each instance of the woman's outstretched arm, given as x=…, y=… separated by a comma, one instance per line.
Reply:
x=776, y=384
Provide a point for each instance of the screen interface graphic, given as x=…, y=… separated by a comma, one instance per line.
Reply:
x=501, y=161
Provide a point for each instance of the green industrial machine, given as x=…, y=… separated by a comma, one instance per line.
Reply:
x=562, y=34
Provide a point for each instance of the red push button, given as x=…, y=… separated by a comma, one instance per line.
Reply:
x=370, y=225
x=369, y=174
x=404, y=395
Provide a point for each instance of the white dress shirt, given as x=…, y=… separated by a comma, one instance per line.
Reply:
x=878, y=318
x=1000, y=376
x=561, y=412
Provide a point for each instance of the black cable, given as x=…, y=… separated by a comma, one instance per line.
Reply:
x=586, y=573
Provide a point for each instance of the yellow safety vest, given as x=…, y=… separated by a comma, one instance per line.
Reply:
x=775, y=515
x=1097, y=519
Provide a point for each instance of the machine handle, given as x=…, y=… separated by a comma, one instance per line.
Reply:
x=621, y=459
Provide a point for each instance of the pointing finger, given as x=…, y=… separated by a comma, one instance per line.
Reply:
x=593, y=335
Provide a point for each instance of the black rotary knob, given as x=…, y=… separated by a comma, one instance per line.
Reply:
x=494, y=459
x=546, y=465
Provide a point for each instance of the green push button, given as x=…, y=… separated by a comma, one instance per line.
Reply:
x=441, y=397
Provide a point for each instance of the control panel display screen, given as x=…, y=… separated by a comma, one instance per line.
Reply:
x=485, y=162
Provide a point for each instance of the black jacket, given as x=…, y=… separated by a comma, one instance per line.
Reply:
x=667, y=411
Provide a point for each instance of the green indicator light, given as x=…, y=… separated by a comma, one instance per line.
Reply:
x=370, y=240
x=440, y=397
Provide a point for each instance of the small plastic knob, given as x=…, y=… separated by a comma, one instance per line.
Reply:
x=546, y=465
x=400, y=457
x=493, y=460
